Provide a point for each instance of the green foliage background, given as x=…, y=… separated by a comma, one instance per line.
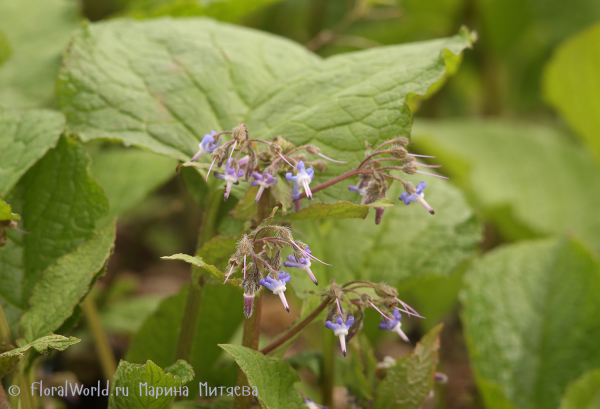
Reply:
x=101, y=99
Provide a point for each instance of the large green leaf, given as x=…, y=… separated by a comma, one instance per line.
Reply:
x=352, y=98
x=217, y=321
x=38, y=32
x=71, y=276
x=186, y=77
x=40, y=345
x=408, y=243
x=25, y=136
x=273, y=379
x=224, y=10
x=60, y=205
x=532, y=180
x=128, y=176
x=407, y=384
x=584, y=393
x=164, y=83
x=531, y=314
x=572, y=86
x=145, y=382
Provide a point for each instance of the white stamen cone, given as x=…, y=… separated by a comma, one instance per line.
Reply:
x=343, y=343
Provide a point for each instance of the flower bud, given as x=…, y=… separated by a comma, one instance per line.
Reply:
x=398, y=152
x=245, y=245
x=240, y=133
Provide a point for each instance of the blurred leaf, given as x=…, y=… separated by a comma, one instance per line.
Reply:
x=60, y=205
x=272, y=378
x=584, y=393
x=128, y=176
x=352, y=98
x=407, y=384
x=353, y=373
x=5, y=50
x=246, y=209
x=40, y=345
x=339, y=210
x=524, y=331
x=157, y=338
x=25, y=136
x=127, y=316
x=571, y=84
x=71, y=276
x=311, y=359
x=217, y=251
x=531, y=180
x=198, y=262
x=183, y=77
x=131, y=376
x=224, y=10
x=408, y=243
x=38, y=32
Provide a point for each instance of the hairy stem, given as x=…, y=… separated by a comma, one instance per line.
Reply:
x=27, y=400
x=249, y=340
x=337, y=179
x=3, y=400
x=295, y=329
x=328, y=373
x=105, y=353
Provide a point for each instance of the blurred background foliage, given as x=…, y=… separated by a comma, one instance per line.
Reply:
x=517, y=130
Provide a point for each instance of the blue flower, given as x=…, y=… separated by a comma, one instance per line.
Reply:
x=340, y=329
x=278, y=286
x=310, y=404
x=230, y=176
x=207, y=145
x=418, y=196
x=303, y=264
x=361, y=191
x=302, y=179
x=264, y=181
x=394, y=324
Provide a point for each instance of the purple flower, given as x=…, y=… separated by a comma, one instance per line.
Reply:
x=207, y=145
x=302, y=179
x=340, y=329
x=418, y=196
x=394, y=324
x=264, y=181
x=303, y=264
x=248, y=304
x=361, y=191
x=278, y=286
x=310, y=404
x=230, y=176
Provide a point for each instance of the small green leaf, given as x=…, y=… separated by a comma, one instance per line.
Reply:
x=339, y=210
x=72, y=276
x=584, y=393
x=407, y=384
x=128, y=176
x=41, y=345
x=571, y=84
x=25, y=136
x=144, y=382
x=198, y=262
x=217, y=251
x=246, y=209
x=38, y=33
x=526, y=335
x=524, y=198
x=6, y=212
x=383, y=202
x=273, y=379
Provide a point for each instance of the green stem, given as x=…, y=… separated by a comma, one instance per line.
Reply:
x=249, y=340
x=185, y=342
x=105, y=353
x=5, y=332
x=27, y=400
x=328, y=368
